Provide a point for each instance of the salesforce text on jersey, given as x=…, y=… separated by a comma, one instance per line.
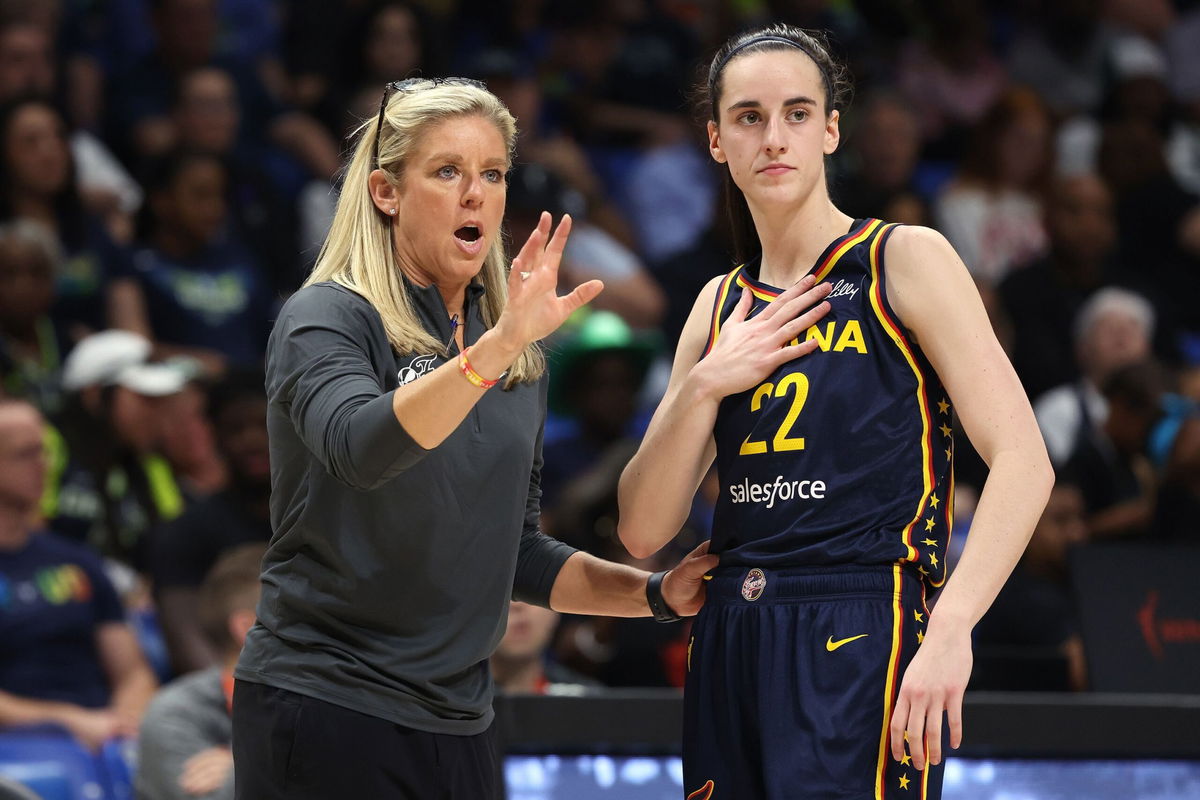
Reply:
x=781, y=489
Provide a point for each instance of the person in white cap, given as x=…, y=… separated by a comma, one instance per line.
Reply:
x=109, y=486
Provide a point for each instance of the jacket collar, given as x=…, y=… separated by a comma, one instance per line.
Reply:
x=432, y=308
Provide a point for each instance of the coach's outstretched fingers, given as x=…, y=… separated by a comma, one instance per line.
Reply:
x=534, y=309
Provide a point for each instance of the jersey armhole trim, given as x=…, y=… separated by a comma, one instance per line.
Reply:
x=896, y=333
x=714, y=326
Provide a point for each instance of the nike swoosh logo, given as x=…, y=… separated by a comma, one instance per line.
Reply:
x=831, y=645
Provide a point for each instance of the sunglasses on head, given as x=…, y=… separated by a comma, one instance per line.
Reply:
x=415, y=85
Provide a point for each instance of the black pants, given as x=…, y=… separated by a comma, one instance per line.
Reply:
x=287, y=745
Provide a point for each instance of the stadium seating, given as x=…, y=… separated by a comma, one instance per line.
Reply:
x=55, y=767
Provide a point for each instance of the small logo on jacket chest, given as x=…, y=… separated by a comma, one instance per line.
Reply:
x=418, y=367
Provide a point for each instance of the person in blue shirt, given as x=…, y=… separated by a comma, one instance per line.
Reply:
x=67, y=656
x=199, y=290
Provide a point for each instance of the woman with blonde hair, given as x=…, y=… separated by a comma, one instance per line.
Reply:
x=407, y=395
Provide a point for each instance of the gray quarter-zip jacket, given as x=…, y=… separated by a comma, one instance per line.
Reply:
x=386, y=584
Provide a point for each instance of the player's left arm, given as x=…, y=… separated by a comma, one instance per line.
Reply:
x=931, y=291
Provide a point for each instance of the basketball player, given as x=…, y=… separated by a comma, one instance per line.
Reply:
x=816, y=669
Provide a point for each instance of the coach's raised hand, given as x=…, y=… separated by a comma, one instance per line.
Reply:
x=535, y=310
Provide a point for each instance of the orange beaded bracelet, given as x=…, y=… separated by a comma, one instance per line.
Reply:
x=464, y=366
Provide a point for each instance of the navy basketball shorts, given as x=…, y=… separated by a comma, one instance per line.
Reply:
x=792, y=678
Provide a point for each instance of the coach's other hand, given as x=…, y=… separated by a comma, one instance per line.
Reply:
x=683, y=587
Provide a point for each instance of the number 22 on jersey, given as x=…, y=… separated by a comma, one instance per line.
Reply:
x=795, y=384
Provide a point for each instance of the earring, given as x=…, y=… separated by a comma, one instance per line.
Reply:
x=392, y=212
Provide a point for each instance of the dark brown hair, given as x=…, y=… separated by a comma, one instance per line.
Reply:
x=231, y=585
x=778, y=36
x=982, y=164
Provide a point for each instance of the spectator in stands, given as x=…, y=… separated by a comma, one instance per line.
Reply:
x=389, y=40
x=887, y=143
x=1158, y=222
x=597, y=372
x=950, y=77
x=992, y=210
x=596, y=376
x=1183, y=58
x=110, y=486
x=1045, y=298
x=1112, y=329
x=184, y=747
x=32, y=345
x=622, y=70
x=189, y=546
x=521, y=662
x=1146, y=420
x=37, y=181
x=67, y=657
x=1138, y=88
x=316, y=46
x=188, y=442
x=629, y=289
x=1030, y=638
x=517, y=26
x=208, y=117
x=1118, y=479
x=1136, y=75
x=1137, y=91
x=194, y=288
x=26, y=60
x=627, y=66
x=1063, y=54
x=546, y=143
x=186, y=39
x=29, y=68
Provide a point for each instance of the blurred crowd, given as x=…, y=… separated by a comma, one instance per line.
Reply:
x=168, y=169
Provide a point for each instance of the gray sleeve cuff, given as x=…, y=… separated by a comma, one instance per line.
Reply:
x=384, y=448
x=325, y=360
x=539, y=561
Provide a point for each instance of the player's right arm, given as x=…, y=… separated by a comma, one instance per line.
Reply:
x=658, y=484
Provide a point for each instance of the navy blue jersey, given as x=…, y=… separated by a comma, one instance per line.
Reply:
x=842, y=456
